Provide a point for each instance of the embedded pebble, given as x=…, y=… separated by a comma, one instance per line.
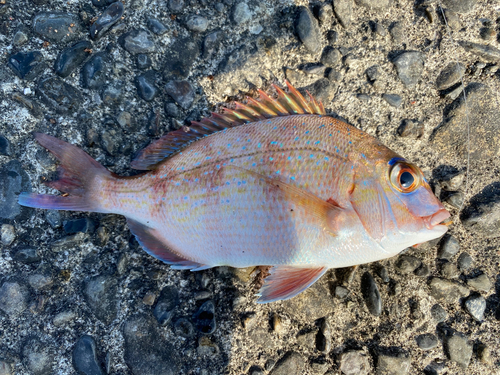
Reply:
x=207, y=348
x=465, y=261
x=38, y=356
x=85, y=357
x=113, y=93
x=64, y=317
x=343, y=11
x=290, y=363
x=196, y=23
x=184, y=328
x=449, y=270
x=393, y=100
x=241, y=13
x=484, y=354
x=475, y=305
x=143, y=61
x=458, y=349
x=27, y=65
x=5, y=368
x=449, y=247
x=481, y=282
x=5, y=148
x=56, y=27
x=204, y=318
x=325, y=14
x=13, y=298
x=314, y=68
x=411, y=129
x=70, y=58
x=324, y=338
x=308, y=30
x=447, y=291
x=397, y=31
x=100, y=293
x=426, y=341
x=62, y=97
x=182, y=92
x=33, y=107
x=26, y=255
x=409, y=66
x=393, y=364
x=211, y=43
x=423, y=271
x=156, y=27
x=138, y=41
x=482, y=215
x=341, y=291
x=165, y=307
x=330, y=56
x=455, y=199
x=450, y=75
x=407, y=263
x=176, y=6
x=354, y=362
x=96, y=71
x=13, y=180
x=106, y=20
x=83, y=225
x=8, y=234
x=20, y=37
x=146, y=85
x=43, y=278
x=371, y=294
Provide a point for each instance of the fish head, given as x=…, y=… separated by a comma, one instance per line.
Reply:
x=395, y=203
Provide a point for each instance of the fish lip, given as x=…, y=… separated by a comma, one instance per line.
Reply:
x=433, y=220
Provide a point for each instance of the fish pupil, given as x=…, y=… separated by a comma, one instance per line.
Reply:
x=406, y=179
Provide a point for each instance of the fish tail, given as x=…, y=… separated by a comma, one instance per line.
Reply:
x=79, y=177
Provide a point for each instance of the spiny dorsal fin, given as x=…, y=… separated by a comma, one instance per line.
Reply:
x=291, y=103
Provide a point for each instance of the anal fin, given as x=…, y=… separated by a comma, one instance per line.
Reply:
x=153, y=246
x=285, y=282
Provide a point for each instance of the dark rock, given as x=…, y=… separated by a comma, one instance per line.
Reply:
x=465, y=261
x=176, y=6
x=196, y=23
x=475, y=305
x=102, y=3
x=184, y=328
x=426, y=341
x=101, y=295
x=322, y=90
x=438, y=313
x=138, y=41
x=211, y=43
x=13, y=180
x=371, y=294
x=455, y=199
x=146, y=353
x=485, y=52
x=13, y=298
x=459, y=6
x=354, y=362
x=458, y=349
x=324, y=338
x=179, y=58
x=85, y=357
x=407, y=263
x=38, y=356
x=292, y=363
x=70, y=58
x=156, y=27
x=330, y=56
x=204, y=318
x=343, y=11
x=449, y=247
x=96, y=71
x=373, y=73
x=332, y=36
x=27, y=65
x=488, y=34
x=447, y=291
x=108, y=18
x=112, y=140
x=26, y=255
x=363, y=97
x=33, y=107
x=397, y=31
x=308, y=30
x=482, y=215
x=5, y=149
x=171, y=110
x=409, y=66
x=182, y=92
x=481, y=282
x=314, y=68
x=383, y=274
x=449, y=270
x=389, y=363
x=84, y=225
x=393, y=99
x=143, y=61
x=146, y=85
x=411, y=129
x=450, y=75
x=56, y=27
x=62, y=97
x=240, y=13
x=165, y=307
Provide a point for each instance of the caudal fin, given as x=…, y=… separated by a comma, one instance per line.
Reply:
x=78, y=173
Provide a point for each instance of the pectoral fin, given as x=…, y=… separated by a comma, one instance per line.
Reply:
x=286, y=282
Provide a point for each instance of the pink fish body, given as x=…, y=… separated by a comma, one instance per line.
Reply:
x=275, y=182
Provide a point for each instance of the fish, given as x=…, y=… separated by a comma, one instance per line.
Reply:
x=275, y=182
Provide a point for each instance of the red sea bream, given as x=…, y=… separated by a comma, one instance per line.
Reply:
x=275, y=182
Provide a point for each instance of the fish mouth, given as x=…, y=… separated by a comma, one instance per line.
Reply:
x=435, y=219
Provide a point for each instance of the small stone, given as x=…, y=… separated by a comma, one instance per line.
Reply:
x=5, y=368
x=138, y=41
x=26, y=255
x=307, y=340
x=411, y=129
x=373, y=73
x=332, y=36
x=449, y=247
x=374, y=4
x=484, y=354
x=475, y=305
x=363, y=97
x=409, y=66
x=290, y=363
x=485, y=52
x=482, y=215
x=70, y=58
x=27, y=65
x=196, y=23
x=62, y=97
x=481, y=282
x=450, y=75
x=371, y=294
x=343, y=11
x=56, y=27
x=408, y=263
x=149, y=299
x=171, y=110
x=125, y=120
x=96, y=71
x=143, y=61
x=277, y=324
x=334, y=75
x=427, y=341
x=38, y=356
x=63, y=318
x=156, y=27
x=331, y=56
x=204, y=318
x=393, y=100
x=438, y=313
x=176, y=6
x=455, y=199
x=449, y=270
x=68, y=241
x=207, y=348
x=13, y=180
x=179, y=57
x=393, y=364
x=146, y=85
x=20, y=37
x=397, y=31
x=324, y=337
x=314, y=68
x=341, y=292
x=85, y=357
x=13, y=298
x=184, y=328
x=447, y=291
x=164, y=310
x=325, y=14
x=462, y=6
x=452, y=19
x=308, y=30
x=108, y=18
x=465, y=262
x=354, y=362
x=83, y=225
x=182, y=92
x=459, y=349
x=241, y=13
x=113, y=93
x=101, y=293
x=8, y=234
x=42, y=279
x=211, y=43
x=5, y=148
x=380, y=30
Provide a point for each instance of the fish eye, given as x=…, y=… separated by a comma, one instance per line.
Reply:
x=404, y=177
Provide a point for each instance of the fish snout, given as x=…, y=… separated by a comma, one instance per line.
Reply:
x=435, y=219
